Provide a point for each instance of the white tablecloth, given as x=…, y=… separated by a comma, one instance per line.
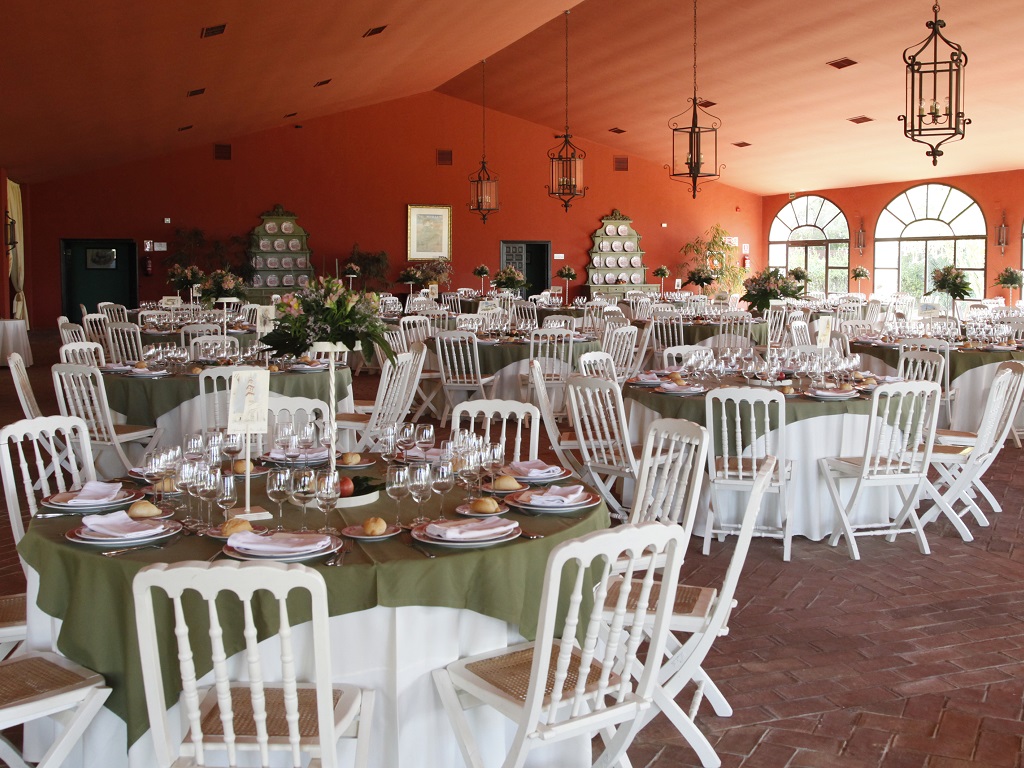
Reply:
x=14, y=338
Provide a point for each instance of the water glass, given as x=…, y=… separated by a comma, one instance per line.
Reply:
x=397, y=487
x=227, y=494
x=420, y=490
x=279, y=490
x=328, y=490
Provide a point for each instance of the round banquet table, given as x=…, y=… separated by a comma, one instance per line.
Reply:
x=396, y=616
x=814, y=429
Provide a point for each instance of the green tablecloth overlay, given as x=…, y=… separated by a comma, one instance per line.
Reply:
x=174, y=337
x=495, y=356
x=92, y=594
x=960, y=360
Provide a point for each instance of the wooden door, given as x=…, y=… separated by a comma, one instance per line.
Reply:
x=98, y=270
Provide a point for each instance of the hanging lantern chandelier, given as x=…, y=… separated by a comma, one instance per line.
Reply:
x=695, y=146
x=483, y=187
x=566, y=182
x=935, y=90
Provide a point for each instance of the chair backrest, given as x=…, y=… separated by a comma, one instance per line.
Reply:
x=415, y=328
x=192, y=330
x=599, y=417
x=593, y=565
x=668, y=332
x=872, y=311
x=124, y=341
x=297, y=410
x=83, y=353
x=451, y=303
x=855, y=328
x=599, y=365
x=640, y=356
x=249, y=313
x=23, y=386
x=470, y=321
x=776, y=326
x=685, y=354
x=212, y=346
x=154, y=317
x=547, y=414
x=398, y=381
x=611, y=322
x=736, y=331
x=559, y=321
x=1001, y=406
x=495, y=419
x=747, y=425
x=930, y=344
x=671, y=473
x=116, y=313
x=553, y=348
x=848, y=310
x=270, y=594
x=841, y=343
x=81, y=392
x=641, y=308
x=902, y=432
x=390, y=305
x=458, y=358
x=593, y=319
x=921, y=365
x=96, y=327
x=620, y=342
x=525, y=315
x=214, y=394
x=799, y=332
x=30, y=450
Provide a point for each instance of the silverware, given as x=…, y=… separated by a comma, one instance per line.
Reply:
x=421, y=549
x=339, y=557
x=45, y=515
x=530, y=535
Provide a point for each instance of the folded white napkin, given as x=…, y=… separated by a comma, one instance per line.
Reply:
x=889, y=379
x=648, y=377
x=313, y=454
x=669, y=386
x=116, y=367
x=311, y=367
x=415, y=454
x=469, y=530
x=534, y=468
x=556, y=496
x=95, y=492
x=120, y=525
x=278, y=543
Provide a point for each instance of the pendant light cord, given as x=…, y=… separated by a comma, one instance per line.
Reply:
x=483, y=106
x=567, y=72
x=694, y=51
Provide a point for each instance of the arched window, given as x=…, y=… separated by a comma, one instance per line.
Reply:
x=926, y=228
x=811, y=232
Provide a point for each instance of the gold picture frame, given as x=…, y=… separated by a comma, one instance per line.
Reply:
x=430, y=232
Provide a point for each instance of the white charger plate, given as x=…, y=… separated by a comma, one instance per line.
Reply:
x=514, y=500
x=335, y=544
x=420, y=534
x=62, y=501
x=563, y=473
x=82, y=535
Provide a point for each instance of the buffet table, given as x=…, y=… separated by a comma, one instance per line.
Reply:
x=397, y=615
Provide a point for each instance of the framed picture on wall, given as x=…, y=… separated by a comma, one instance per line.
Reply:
x=430, y=232
x=679, y=283
x=100, y=258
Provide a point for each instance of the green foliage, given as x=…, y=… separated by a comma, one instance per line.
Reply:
x=711, y=250
x=373, y=265
x=767, y=286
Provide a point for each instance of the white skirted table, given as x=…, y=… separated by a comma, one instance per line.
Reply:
x=14, y=338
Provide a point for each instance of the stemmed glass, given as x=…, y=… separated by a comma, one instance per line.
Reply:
x=442, y=481
x=195, y=482
x=303, y=491
x=231, y=448
x=153, y=473
x=420, y=489
x=328, y=491
x=283, y=432
x=468, y=465
x=425, y=438
x=209, y=490
x=307, y=439
x=405, y=438
x=279, y=490
x=292, y=450
x=397, y=486
x=182, y=479
x=495, y=459
x=227, y=495
x=193, y=445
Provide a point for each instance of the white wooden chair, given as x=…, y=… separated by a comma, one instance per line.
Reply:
x=563, y=442
x=233, y=714
x=849, y=309
x=212, y=346
x=95, y=326
x=37, y=684
x=83, y=353
x=390, y=305
x=620, y=343
x=668, y=332
x=799, y=333
x=736, y=330
x=416, y=328
x=81, y=392
x=855, y=328
x=776, y=325
x=565, y=322
x=116, y=313
x=524, y=313
x=215, y=392
x=558, y=687
x=23, y=386
x=747, y=425
x=470, y=321
x=496, y=419
x=897, y=452
x=593, y=319
x=598, y=365
x=685, y=354
x=552, y=347
x=248, y=313
x=72, y=332
x=920, y=365
x=420, y=303
x=124, y=342
x=941, y=346
x=450, y=302
x=192, y=330
x=640, y=354
x=395, y=393
x=599, y=418
x=298, y=411
x=873, y=312
x=459, y=361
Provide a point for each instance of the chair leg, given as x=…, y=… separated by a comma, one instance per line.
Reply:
x=456, y=716
x=943, y=506
x=842, y=520
x=687, y=729
x=363, y=737
x=77, y=720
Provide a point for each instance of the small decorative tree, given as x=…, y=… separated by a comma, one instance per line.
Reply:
x=1010, y=278
x=800, y=275
x=351, y=271
x=858, y=274
x=714, y=251
x=483, y=271
x=567, y=273
x=661, y=273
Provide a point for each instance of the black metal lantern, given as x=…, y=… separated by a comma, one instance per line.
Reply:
x=566, y=183
x=935, y=90
x=483, y=187
x=695, y=146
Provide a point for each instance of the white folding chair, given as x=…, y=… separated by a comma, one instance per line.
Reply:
x=241, y=710
x=668, y=332
x=598, y=365
x=558, y=686
x=873, y=312
x=215, y=392
x=154, y=317
x=459, y=361
x=124, y=342
x=685, y=354
x=298, y=411
x=23, y=386
x=192, y=330
x=492, y=418
x=470, y=321
x=920, y=365
x=747, y=426
x=565, y=322
x=395, y=393
x=599, y=418
x=416, y=328
x=552, y=347
x=620, y=343
x=95, y=326
x=897, y=452
x=799, y=333
x=116, y=313
x=451, y=303
x=776, y=325
x=72, y=332
x=524, y=313
x=81, y=392
x=564, y=443
x=940, y=346
x=212, y=346
x=83, y=353
x=248, y=313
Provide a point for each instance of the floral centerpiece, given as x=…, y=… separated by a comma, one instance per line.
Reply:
x=952, y=281
x=510, y=279
x=436, y=271
x=767, y=286
x=327, y=311
x=483, y=271
x=221, y=283
x=801, y=276
x=661, y=273
x=350, y=270
x=183, y=278
x=567, y=273
x=1010, y=278
x=702, y=276
x=411, y=275
x=858, y=274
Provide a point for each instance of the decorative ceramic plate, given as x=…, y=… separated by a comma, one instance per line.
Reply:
x=636, y=279
x=273, y=263
x=616, y=245
x=265, y=245
x=596, y=278
x=623, y=230
x=597, y=261
x=303, y=280
x=630, y=246
x=270, y=227
x=623, y=261
x=300, y=262
x=257, y=281
x=636, y=261
x=287, y=227
x=623, y=277
x=611, y=261
x=294, y=244
x=272, y=281
x=287, y=263
x=604, y=245
x=279, y=244
x=288, y=280
x=610, y=229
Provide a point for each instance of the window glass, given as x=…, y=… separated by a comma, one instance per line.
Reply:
x=813, y=234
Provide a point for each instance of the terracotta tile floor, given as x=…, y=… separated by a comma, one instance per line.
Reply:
x=899, y=660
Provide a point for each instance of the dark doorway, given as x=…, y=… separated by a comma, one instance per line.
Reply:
x=98, y=270
x=532, y=258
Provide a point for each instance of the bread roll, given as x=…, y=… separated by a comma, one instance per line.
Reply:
x=141, y=364
x=484, y=506
x=351, y=458
x=505, y=483
x=787, y=390
x=846, y=387
x=374, y=526
x=234, y=525
x=143, y=508
x=196, y=369
x=675, y=377
x=241, y=466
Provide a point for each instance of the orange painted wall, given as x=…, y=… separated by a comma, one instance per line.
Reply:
x=994, y=192
x=350, y=176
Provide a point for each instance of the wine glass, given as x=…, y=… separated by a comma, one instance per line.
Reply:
x=279, y=490
x=328, y=491
x=227, y=495
x=182, y=478
x=468, y=461
x=283, y=432
x=303, y=491
x=442, y=481
x=209, y=490
x=153, y=473
x=292, y=450
x=420, y=490
x=214, y=442
x=306, y=438
x=495, y=458
x=405, y=437
x=397, y=486
x=192, y=446
x=424, y=438
x=231, y=448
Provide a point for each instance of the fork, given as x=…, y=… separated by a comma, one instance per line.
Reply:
x=338, y=558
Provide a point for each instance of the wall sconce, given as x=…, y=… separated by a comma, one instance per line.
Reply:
x=9, y=232
x=859, y=240
x=1001, y=235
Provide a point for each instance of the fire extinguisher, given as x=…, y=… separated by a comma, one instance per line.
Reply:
x=746, y=262
x=147, y=266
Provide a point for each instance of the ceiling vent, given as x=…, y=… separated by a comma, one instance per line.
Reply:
x=213, y=31
x=741, y=144
x=196, y=92
x=616, y=130
x=860, y=119
x=322, y=82
x=221, y=151
x=374, y=31
x=620, y=163
x=185, y=128
x=705, y=104
x=444, y=157
x=841, y=63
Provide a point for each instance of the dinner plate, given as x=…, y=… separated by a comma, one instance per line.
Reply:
x=515, y=500
x=357, y=532
x=83, y=535
x=640, y=383
x=216, y=533
x=301, y=368
x=818, y=394
x=361, y=465
x=335, y=544
x=420, y=534
x=301, y=461
x=256, y=471
x=148, y=490
x=60, y=501
x=464, y=509
x=563, y=473
x=681, y=392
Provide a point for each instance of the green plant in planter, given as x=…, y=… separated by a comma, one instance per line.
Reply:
x=713, y=251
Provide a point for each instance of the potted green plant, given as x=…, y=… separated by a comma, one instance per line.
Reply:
x=373, y=265
x=767, y=286
x=483, y=271
x=1010, y=278
x=714, y=250
x=567, y=273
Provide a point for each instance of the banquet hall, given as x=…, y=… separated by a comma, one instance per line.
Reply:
x=170, y=134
